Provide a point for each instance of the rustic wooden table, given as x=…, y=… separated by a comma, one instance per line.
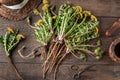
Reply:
x=107, y=12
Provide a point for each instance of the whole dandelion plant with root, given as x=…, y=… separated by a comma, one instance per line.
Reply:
x=9, y=41
x=65, y=33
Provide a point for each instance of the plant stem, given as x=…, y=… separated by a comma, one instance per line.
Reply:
x=14, y=67
x=48, y=57
x=71, y=28
x=51, y=52
x=56, y=68
x=51, y=61
x=86, y=51
x=53, y=58
x=75, y=55
x=50, y=48
x=56, y=57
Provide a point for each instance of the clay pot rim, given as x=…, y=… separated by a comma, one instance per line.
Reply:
x=112, y=54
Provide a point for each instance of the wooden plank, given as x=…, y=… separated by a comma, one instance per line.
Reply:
x=100, y=8
x=30, y=42
x=34, y=72
x=105, y=69
x=106, y=8
x=117, y=71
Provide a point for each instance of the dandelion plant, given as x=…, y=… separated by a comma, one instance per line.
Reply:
x=9, y=41
x=64, y=33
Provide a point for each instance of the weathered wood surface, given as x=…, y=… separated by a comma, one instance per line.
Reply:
x=105, y=69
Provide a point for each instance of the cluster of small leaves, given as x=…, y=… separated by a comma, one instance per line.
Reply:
x=43, y=32
x=99, y=53
x=72, y=26
x=75, y=26
x=10, y=40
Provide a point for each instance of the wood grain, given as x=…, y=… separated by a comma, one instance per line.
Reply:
x=105, y=69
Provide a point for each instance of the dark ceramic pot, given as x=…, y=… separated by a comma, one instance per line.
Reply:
x=114, y=50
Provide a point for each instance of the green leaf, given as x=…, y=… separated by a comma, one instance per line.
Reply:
x=52, y=7
x=28, y=20
x=99, y=53
x=5, y=41
x=11, y=40
x=98, y=57
x=99, y=43
x=83, y=56
x=13, y=46
x=18, y=38
x=1, y=40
